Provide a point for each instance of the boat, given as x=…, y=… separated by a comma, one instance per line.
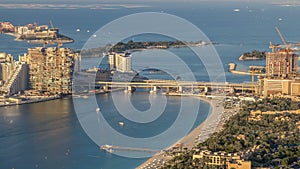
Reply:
x=237, y=10
x=85, y=96
x=105, y=147
x=94, y=36
x=121, y=123
x=88, y=31
x=77, y=30
x=97, y=109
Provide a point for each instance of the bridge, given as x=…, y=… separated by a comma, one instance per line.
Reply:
x=179, y=86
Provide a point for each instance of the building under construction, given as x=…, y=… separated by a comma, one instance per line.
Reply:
x=281, y=71
x=281, y=74
x=51, y=69
x=282, y=63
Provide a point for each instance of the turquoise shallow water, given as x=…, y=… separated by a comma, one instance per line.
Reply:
x=48, y=135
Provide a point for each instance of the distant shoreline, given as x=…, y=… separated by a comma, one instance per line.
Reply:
x=64, y=39
x=242, y=57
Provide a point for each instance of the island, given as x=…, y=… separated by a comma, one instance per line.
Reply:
x=137, y=45
x=253, y=55
x=34, y=33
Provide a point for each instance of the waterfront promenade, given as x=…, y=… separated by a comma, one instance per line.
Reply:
x=28, y=100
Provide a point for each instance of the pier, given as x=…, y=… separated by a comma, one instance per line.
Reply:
x=110, y=148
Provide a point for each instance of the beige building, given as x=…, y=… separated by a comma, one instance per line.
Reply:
x=269, y=86
x=13, y=75
x=36, y=32
x=281, y=74
x=120, y=61
x=111, y=60
x=6, y=26
x=51, y=69
x=281, y=63
x=222, y=160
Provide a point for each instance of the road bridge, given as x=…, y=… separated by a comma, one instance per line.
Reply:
x=178, y=85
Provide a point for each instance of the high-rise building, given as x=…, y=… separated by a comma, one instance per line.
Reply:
x=13, y=75
x=51, y=69
x=281, y=63
x=120, y=61
x=123, y=62
x=111, y=60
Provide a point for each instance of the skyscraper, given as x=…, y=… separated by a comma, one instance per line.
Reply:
x=51, y=69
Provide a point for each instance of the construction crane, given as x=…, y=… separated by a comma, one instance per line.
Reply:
x=273, y=47
x=58, y=41
x=287, y=46
x=280, y=35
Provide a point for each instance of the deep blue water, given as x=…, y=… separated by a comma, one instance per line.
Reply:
x=48, y=135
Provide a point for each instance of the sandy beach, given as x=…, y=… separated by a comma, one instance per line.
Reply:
x=199, y=134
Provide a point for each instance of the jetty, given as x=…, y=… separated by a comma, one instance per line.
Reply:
x=110, y=148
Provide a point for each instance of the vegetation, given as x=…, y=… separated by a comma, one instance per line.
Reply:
x=266, y=142
x=33, y=37
x=255, y=54
x=131, y=45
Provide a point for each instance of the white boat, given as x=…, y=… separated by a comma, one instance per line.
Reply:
x=77, y=30
x=85, y=96
x=88, y=31
x=97, y=109
x=236, y=10
x=94, y=36
x=106, y=147
x=121, y=123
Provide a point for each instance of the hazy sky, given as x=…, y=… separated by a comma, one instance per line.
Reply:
x=133, y=1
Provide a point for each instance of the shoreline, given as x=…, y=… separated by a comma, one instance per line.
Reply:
x=39, y=41
x=194, y=137
x=32, y=101
x=191, y=139
x=232, y=69
x=242, y=57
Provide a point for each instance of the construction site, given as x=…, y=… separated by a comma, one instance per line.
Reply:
x=281, y=71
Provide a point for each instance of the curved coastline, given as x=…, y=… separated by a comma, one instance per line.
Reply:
x=189, y=141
